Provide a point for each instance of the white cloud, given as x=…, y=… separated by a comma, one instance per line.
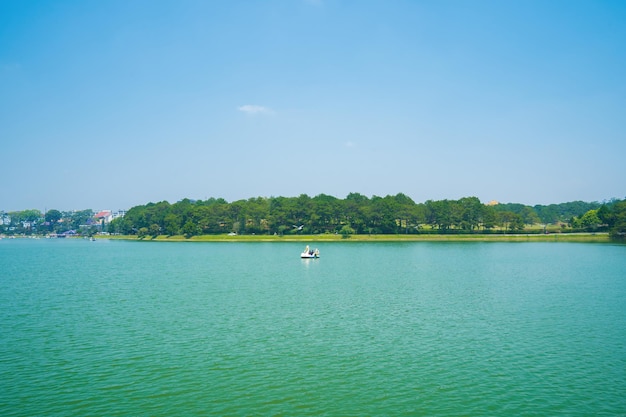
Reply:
x=254, y=109
x=350, y=144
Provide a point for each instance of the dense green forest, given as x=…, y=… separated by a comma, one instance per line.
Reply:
x=356, y=214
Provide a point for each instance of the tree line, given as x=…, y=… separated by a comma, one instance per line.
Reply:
x=33, y=221
x=355, y=214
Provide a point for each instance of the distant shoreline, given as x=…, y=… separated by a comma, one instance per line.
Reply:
x=519, y=237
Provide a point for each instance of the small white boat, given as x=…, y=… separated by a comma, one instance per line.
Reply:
x=310, y=253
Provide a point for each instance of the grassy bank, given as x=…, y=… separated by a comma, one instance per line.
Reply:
x=556, y=237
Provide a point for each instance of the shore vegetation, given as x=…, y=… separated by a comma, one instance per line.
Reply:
x=520, y=237
x=364, y=218
x=355, y=217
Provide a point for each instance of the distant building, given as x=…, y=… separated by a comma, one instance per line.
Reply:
x=5, y=219
x=493, y=203
x=108, y=215
x=104, y=215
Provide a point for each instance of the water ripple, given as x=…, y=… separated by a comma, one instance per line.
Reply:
x=390, y=329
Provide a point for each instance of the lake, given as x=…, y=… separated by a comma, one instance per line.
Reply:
x=125, y=328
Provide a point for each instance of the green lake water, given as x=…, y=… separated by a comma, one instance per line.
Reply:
x=121, y=328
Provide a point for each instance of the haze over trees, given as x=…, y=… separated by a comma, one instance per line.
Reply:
x=52, y=221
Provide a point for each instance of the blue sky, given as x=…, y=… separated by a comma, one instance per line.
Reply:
x=112, y=104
